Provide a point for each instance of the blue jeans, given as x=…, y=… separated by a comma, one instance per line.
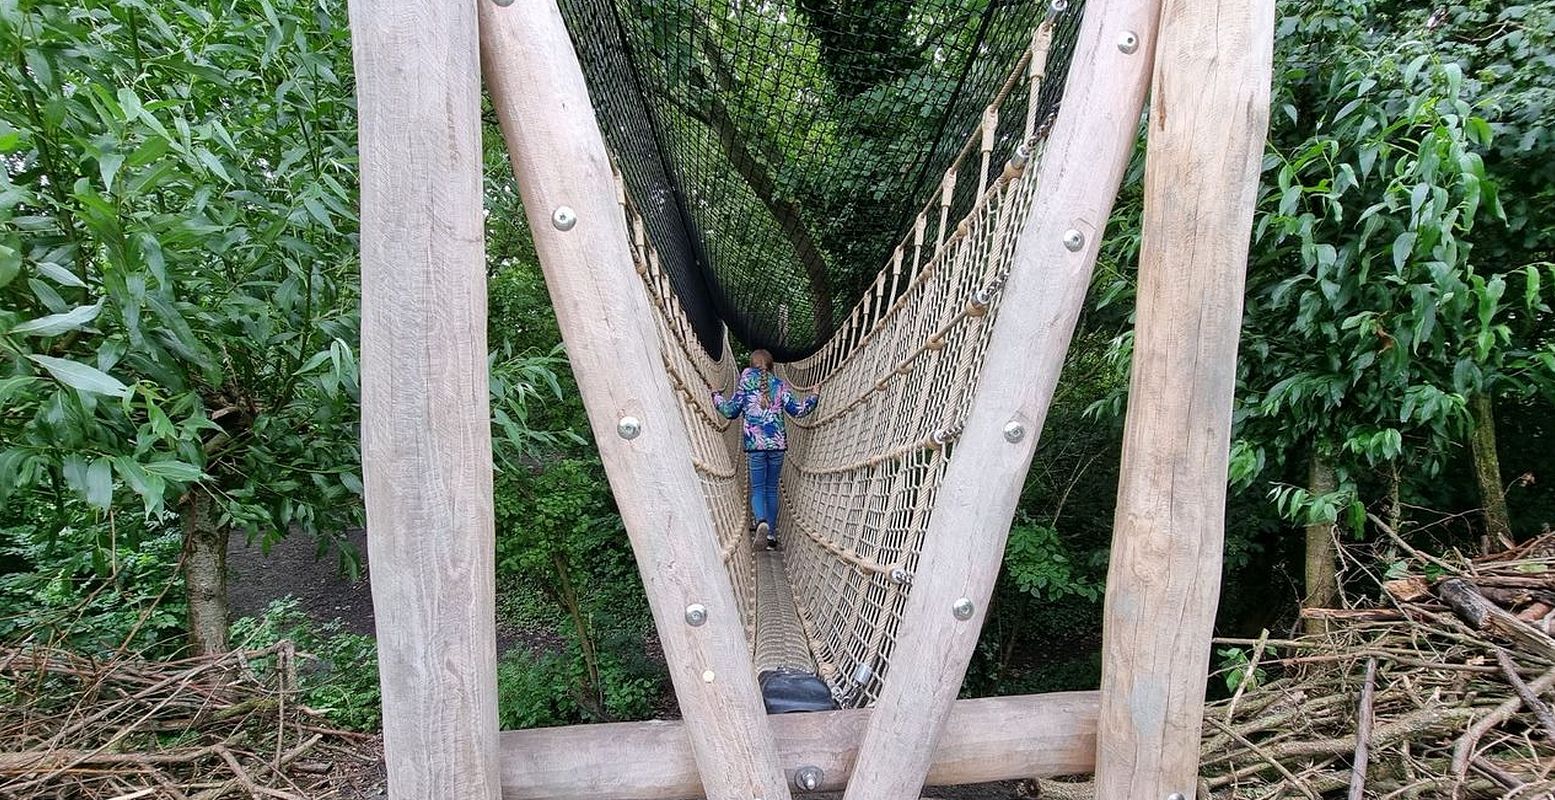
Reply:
x=765, y=467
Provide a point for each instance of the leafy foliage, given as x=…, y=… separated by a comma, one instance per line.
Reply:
x=178, y=309
x=338, y=673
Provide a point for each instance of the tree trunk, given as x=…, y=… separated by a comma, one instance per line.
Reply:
x=205, y=575
x=1487, y=470
x=1322, y=556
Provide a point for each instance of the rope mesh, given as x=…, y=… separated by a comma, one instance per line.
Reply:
x=896, y=377
x=776, y=149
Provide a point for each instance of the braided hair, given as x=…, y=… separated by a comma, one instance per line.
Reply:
x=762, y=360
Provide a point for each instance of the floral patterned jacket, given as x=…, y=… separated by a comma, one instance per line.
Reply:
x=763, y=425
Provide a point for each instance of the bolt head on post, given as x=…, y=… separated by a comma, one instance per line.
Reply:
x=808, y=778
x=563, y=218
x=962, y=609
x=696, y=614
x=1128, y=42
x=1014, y=431
x=629, y=427
x=1073, y=240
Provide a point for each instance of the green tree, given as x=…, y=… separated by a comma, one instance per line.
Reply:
x=1385, y=303
x=177, y=269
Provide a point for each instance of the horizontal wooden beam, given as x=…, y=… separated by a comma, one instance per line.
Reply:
x=990, y=739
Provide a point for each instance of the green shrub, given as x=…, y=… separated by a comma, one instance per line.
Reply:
x=92, y=581
x=337, y=670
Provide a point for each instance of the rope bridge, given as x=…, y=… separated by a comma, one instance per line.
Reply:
x=882, y=193
x=897, y=379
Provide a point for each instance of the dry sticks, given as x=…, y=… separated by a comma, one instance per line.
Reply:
x=1444, y=692
x=196, y=729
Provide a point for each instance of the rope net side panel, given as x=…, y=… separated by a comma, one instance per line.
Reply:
x=897, y=380
x=776, y=149
x=715, y=441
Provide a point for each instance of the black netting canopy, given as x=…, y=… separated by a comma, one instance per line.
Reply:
x=779, y=149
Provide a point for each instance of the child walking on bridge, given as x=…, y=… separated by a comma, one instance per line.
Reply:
x=762, y=398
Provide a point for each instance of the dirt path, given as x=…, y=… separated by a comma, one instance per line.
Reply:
x=295, y=567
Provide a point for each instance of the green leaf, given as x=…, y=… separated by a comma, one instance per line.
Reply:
x=174, y=470
x=81, y=377
x=56, y=324
x=1479, y=130
x=10, y=264
x=213, y=164
x=99, y=483
x=1403, y=246
x=60, y=275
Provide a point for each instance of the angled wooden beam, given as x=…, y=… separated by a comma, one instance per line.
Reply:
x=580, y=234
x=1209, y=112
x=991, y=739
x=1077, y=179
x=426, y=426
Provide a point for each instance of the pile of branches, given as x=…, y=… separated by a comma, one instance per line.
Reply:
x=194, y=729
x=1438, y=690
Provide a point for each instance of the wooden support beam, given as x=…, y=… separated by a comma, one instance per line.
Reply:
x=559, y=158
x=426, y=426
x=996, y=738
x=1078, y=177
x=1208, y=116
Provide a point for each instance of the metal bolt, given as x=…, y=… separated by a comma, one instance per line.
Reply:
x=563, y=217
x=899, y=575
x=1128, y=42
x=809, y=778
x=1014, y=431
x=861, y=674
x=629, y=427
x=1060, y=6
x=696, y=614
x=503, y=3
x=963, y=608
x=1175, y=796
x=707, y=677
x=1073, y=240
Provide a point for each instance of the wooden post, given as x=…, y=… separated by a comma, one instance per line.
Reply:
x=426, y=426
x=580, y=234
x=1209, y=113
x=1078, y=179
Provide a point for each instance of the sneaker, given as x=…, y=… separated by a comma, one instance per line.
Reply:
x=763, y=530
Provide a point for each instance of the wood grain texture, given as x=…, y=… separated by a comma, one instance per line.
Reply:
x=1081, y=167
x=1208, y=116
x=559, y=158
x=426, y=425
x=990, y=739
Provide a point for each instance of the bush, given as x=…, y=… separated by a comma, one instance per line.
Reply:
x=558, y=533
x=337, y=670
x=92, y=581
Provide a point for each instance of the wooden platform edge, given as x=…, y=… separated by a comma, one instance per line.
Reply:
x=989, y=739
